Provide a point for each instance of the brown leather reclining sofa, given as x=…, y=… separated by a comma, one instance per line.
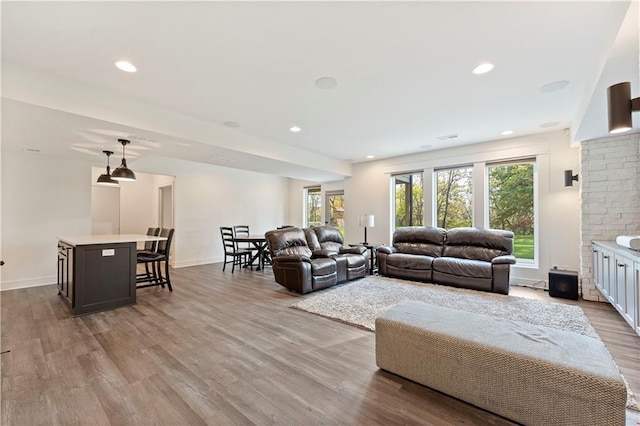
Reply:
x=310, y=259
x=472, y=258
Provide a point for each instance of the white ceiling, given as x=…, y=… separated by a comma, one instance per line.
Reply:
x=403, y=71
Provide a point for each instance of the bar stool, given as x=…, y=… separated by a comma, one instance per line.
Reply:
x=155, y=259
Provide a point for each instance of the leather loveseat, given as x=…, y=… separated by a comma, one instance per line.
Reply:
x=474, y=258
x=310, y=259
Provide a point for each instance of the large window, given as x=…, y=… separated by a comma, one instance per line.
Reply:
x=454, y=194
x=408, y=199
x=511, y=204
x=313, y=206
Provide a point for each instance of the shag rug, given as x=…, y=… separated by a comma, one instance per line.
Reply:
x=360, y=302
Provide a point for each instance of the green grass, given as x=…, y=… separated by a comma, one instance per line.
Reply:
x=523, y=247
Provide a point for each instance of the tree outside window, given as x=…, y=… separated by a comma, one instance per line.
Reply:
x=454, y=195
x=409, y=199
x=511, y=204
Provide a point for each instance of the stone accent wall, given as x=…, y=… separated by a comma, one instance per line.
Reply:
x=609, y=197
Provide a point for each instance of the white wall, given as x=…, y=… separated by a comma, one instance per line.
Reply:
x=42, y=198
x=207, y=197
x=46, y=197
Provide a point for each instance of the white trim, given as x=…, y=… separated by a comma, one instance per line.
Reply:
x=32, y=282
x=197, y=262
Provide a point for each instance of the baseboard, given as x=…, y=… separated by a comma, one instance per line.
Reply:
x=526, y=282
x=196, y=262
x=31, y=282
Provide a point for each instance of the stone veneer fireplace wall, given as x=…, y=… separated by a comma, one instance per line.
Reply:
x=609, y=197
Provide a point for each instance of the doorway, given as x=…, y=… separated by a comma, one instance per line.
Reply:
x=165, y=206
x=334, y=213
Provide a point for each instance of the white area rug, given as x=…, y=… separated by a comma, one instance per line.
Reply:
x=360, y=302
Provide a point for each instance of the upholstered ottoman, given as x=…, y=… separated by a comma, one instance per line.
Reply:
x=531, y=374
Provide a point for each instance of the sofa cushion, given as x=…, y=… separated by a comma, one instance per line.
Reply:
x=419, y=240
x=312, y=239
x=409, y=261
x=287, y=241
x=330, y=238
x=478, y=243
x=323, y=266
x=463, y=267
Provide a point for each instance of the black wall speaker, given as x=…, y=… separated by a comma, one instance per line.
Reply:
x=563, y=284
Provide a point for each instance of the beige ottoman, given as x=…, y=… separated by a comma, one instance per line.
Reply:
x=531, y=374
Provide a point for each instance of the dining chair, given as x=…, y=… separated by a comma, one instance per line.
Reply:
x=231, y=250
x=161, y=254
x=243, y=231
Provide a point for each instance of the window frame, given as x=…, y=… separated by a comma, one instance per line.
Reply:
x=307, y=191
x=520, y=262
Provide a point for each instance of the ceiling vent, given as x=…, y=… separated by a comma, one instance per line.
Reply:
x=221, y=159
x=447, y=137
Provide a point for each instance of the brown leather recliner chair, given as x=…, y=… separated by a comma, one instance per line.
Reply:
x=294, y=266
x=352, y=261
x=311, y=259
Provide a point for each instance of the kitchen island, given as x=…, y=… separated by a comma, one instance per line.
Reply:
x=98, y=272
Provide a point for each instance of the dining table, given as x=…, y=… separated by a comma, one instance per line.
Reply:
x=259, y=241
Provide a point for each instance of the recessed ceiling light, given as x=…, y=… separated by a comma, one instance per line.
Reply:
x=549, y=124
x=371, y=156
x=126, y=66
x=232, y=124
x=554, y=86
x=483, y=68
x=326, y=83
x=294, y=129
x=507, y=132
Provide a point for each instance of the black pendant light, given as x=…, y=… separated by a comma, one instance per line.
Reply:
x=105, y=179
x=123, y=173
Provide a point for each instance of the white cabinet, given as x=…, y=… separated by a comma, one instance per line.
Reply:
x=616, y=273
x=636, y=279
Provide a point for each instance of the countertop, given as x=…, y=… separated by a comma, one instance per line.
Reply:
x=84, y=240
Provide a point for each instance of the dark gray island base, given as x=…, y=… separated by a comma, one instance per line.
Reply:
x=98, y=273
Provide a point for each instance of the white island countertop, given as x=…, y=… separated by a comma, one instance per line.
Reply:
x=85, y=240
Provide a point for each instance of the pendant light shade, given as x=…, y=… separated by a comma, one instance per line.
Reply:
x=105, y=179
x=123, y=173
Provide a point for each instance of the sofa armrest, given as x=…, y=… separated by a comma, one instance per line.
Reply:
x=322, y=254
x=291, y=258
x=353, y=250
x=387, y=249
x=509, y=259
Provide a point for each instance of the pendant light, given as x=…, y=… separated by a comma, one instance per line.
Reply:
x=123, y=173
x=105, y=179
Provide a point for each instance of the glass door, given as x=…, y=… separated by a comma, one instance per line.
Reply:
x=334, y=213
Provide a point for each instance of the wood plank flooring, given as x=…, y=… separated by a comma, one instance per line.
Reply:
x=223, y=349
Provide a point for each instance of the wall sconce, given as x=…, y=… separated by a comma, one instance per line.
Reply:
x=569, y=177
x=368, y=220
x=105, y=179
x=620, y=106
x=123, y=173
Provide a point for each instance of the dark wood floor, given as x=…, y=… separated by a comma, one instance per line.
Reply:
x=223, y=349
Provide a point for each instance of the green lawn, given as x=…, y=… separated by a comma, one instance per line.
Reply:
x=523, y=246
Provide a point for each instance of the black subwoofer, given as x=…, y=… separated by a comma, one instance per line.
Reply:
x=563, y=284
